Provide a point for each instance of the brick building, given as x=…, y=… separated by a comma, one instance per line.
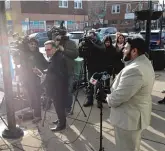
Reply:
x=41, y=15
x=119, y=14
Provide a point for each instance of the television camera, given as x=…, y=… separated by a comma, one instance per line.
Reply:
x=55, y=31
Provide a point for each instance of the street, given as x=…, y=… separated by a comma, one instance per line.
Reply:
x=41, y=138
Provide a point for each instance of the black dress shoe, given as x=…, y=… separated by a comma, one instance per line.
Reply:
x=104, y=101
x=58, y=128
x=161, y=101
x=55, y=122
x=87, y=104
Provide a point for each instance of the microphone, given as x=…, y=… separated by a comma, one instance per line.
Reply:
x=103, y=76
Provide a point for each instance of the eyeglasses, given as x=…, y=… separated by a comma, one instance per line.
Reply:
x=48, y=49
x=58, y=39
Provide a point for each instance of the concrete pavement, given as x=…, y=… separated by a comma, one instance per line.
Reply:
x=39, y=138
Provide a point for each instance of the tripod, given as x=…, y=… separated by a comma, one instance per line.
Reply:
x=101, y=98
x=79, y=86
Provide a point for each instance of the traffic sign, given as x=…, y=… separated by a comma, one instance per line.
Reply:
x=129, y=16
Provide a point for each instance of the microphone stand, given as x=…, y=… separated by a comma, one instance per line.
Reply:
x=100, y=99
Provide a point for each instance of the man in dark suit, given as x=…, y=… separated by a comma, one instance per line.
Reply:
x=56, y=81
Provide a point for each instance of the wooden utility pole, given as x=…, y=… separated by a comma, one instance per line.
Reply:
x=12, y=131
x=148, y=26
x=161, y=24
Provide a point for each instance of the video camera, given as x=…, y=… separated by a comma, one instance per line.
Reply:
x=84, y=42
x=55, y=31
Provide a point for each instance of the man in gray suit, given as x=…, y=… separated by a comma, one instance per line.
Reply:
x=130, y=99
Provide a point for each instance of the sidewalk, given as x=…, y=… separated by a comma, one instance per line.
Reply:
x=42, y=139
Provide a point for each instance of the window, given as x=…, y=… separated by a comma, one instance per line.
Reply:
x=78, y=4
x=45, y=35
x=140, y=6
x=128, y=8
x=114, y=22
x=63, y=3
x=7, y=4
x=115, y=9
x=76, y=35
x=156, y=7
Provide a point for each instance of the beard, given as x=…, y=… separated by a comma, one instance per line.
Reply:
x=127, y=57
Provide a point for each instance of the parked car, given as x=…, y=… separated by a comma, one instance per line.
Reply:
x=105, y=31
x=155, y=39
x=75, y=36
x=41, y=37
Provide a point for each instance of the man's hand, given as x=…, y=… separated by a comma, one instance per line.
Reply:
x=107, y=97
x=61, y=48
x=37, y=71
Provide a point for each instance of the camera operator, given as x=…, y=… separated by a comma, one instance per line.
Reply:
x=31, y=58
x=91, y=49
x=70, y=52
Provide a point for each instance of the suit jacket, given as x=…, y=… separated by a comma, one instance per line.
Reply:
x=56, y=80
x=130, y=99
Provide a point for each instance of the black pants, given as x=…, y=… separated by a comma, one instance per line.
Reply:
x=60, y=110
x=34, y=93
x=59, y=101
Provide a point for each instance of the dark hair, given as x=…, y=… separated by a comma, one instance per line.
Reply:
x=28, y=39
x=31, y=39
x=120, y=35
x=92, y=32
x=107, y=38
x=138, y=43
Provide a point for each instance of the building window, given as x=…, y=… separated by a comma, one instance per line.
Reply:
x=114, y=22
x=140, y=6
x=115, y=9
x=155, y=7
x=46, y=1
x=7, y=4
x=63, y=3
x=78, y=4
x=128, y=8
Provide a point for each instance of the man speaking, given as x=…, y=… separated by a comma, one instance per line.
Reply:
x=130, y=99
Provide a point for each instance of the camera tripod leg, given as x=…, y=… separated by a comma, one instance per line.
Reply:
x=76, y=99
x=4, y=121
x=47, y=103
x=73, y=107
x=81, y=108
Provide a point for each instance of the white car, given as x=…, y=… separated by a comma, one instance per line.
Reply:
x=75, y=36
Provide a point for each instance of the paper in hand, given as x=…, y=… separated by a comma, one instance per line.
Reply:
x=43, y=78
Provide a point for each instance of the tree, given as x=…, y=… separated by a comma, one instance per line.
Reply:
x=96, y=11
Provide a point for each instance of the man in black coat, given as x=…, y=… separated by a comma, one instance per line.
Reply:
x=56, y=81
